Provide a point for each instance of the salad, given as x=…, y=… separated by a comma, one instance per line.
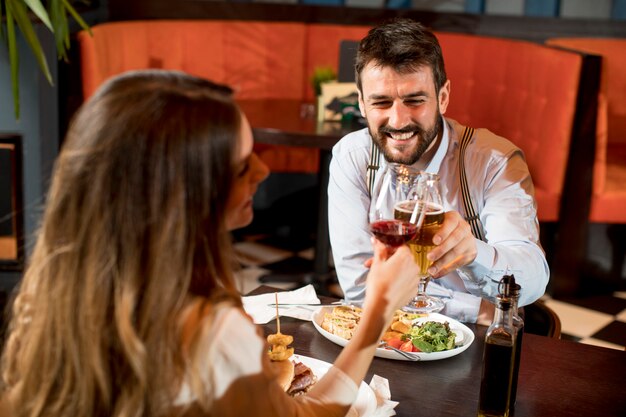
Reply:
x=430, y=336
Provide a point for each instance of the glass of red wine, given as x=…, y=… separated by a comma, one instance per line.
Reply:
x=388, y=192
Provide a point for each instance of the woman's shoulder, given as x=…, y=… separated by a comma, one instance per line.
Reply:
x=201, y=315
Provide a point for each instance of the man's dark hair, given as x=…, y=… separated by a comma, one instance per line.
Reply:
x=404, y=45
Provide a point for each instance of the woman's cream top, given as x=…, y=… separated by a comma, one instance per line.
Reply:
x=228, y=372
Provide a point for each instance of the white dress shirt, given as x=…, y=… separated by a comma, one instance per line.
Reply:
x=502, y=192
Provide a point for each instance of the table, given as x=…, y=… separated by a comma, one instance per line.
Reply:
x=293, y=123
x=557, y=377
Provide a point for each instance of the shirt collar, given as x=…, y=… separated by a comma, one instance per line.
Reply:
x=435, y=164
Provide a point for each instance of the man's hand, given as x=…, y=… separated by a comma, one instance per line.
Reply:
x=455, y=245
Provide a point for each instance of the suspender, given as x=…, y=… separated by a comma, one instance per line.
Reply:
x=373, y=166
x=471, y=216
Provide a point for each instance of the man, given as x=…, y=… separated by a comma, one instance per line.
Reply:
x=403, y=94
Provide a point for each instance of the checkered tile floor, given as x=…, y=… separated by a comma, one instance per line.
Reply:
x=596, y=320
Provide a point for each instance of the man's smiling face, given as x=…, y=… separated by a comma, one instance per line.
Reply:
x=402, y=110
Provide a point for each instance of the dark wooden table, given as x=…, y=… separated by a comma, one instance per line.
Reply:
x=557, y=377
x=293, y=123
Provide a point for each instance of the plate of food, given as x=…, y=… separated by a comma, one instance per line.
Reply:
x=297, y=374
x=424, y=337
x=365, y=404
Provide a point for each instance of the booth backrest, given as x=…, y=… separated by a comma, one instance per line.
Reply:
x=609, y=175
x=520, y=90
x=257, y=59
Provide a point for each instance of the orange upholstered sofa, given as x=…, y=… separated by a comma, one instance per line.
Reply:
x=523, y=91
x=608, y=203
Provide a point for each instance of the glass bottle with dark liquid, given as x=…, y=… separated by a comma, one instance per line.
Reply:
x=518, y=323
x=498, y=360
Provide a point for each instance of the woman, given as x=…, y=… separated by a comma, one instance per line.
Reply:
x=128, y=306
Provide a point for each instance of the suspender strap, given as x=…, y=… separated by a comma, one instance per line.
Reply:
x=471, y=216
x=373, y=166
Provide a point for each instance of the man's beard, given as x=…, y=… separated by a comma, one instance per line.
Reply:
x=425, y=138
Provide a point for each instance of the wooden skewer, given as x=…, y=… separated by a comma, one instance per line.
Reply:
x=277, y=316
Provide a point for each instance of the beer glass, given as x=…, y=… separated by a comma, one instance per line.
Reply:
x=423, y=207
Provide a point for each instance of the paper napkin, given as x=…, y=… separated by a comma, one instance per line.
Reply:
x=257, y=305
x=380, y=386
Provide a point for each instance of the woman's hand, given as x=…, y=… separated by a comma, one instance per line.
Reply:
x=392, y=279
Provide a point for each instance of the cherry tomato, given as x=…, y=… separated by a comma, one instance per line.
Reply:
x=395, y=342
x=408, y=346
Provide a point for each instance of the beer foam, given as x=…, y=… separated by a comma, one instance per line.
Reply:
x=407, y=206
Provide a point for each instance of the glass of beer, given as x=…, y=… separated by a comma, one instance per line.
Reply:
x=421, y=205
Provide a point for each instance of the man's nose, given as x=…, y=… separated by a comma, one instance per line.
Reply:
x=399, y=116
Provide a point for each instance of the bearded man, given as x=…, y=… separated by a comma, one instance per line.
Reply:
x=403, y=95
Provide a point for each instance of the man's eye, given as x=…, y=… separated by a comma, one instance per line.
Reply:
x=414, y=102
x=381, y=103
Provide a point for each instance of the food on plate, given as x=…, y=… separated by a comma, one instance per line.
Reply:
x=284, y=372
x=403, y=333
x=432, y=336
x=294, y=378
x=400, y=326
x=279, y=350
x=391, y=335
x=342, y=321
x=302, y=381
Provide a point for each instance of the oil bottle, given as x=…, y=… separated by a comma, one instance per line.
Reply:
x=498, y=359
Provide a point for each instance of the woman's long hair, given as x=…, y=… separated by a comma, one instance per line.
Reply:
x=133, y=226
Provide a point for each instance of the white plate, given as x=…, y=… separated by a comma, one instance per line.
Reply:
x=464, y=337
x=365, y=404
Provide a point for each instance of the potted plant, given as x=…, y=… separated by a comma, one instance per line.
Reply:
x=21, y=13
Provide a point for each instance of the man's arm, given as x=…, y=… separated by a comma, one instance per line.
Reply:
x=509, y=217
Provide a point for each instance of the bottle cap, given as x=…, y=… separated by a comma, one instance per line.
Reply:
x=508, y=287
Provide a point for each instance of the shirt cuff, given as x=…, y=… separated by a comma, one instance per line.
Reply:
x=463, y=307
x=485, y=255
x=335, y=388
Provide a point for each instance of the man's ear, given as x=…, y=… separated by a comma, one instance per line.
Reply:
x=444, y=97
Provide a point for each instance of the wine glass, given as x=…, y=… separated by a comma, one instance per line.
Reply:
x=423, y=207
x=387, y=228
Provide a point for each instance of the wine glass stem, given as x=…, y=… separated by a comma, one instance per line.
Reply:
x=421, y=288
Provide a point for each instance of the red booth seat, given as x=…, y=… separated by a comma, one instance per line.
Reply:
x=608, y=203
x=523, y=91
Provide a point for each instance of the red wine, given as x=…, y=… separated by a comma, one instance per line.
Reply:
x=496, y=380
x=393, y=232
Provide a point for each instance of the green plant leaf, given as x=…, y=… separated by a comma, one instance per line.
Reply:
x=77, y=17
x=40, y=11
x=20, y=14
x=13, y=58
x=59, y=23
